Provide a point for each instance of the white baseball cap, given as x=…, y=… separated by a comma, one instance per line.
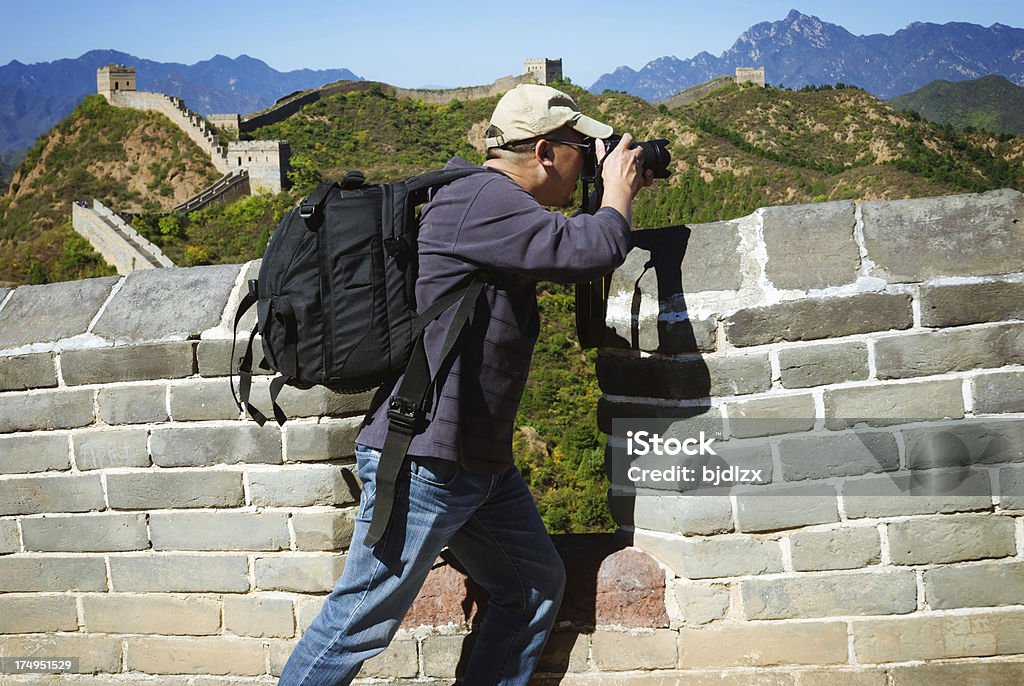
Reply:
x=530, y=110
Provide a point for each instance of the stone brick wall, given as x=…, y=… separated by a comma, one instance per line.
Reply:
x=868, y=359
x=120, y=245
x=147, y=531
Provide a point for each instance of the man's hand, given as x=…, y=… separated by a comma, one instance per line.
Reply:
x=623, y=175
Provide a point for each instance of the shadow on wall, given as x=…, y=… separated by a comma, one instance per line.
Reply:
x=665, y=250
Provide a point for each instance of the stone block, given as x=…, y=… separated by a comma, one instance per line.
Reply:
x=85, y=533
x=128, y=363
x=887, y=404
x=1011, y=488
x=279, y=650
x=185, y=655
x=197, y=446
x=816, y=318
x=179, y=573
x=196, y=401
x=43, y=314
x=981, y=236
x=617, y=651
x=843, y=677
x=826, y=456
x=23, y=372
x=214, y=357
x=34, y=453
x=10, y=539
x=327, y=440
x=940, y=540
x=142, y=310
x=990, y=584
x=132, y=404
x=973, y=303
x=820, y=365
x=774, y=508
x=259, y=616
x=441, y=654
x=314, y=402
x=687, y=379
x=687, y=516
x=847, y=548
x=45, y=411
x=307, y=607
x=966, y=443
x=324, y=531
x=951, y=350
x=96, y=654
x=708, y=558
x=219, y=530
x=987, y=673
x=811, y=246
x=35, y=495
x=826, y=595
x=915, y=494
x=399, y=660
x=701, y=603
x=938, y=637
x=771, y=416
x=763, y=645
x=565, y=651
x=299, y=573
x=302, y=486
x=106, y=448
x=663, y=330
x=998, y=392
x=115, y=613
x=175, y=489
x=36, y=614
x=52, y=573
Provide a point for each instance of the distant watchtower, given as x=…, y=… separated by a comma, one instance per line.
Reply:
x=113, y=78
x=750, y=75
x=544, y=70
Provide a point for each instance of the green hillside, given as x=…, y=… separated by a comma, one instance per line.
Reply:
x=129, y=160
x=990, y=103
x=736, y=150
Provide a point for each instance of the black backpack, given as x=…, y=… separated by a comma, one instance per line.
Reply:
x=336, y=306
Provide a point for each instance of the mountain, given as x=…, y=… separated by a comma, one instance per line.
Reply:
x=34, y=97
x=803, y=50
x=990, y=103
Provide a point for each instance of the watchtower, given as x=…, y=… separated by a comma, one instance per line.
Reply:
x=544, y=70
x=750, y=75
x=113, y=78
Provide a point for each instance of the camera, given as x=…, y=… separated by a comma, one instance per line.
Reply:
x=656, y=155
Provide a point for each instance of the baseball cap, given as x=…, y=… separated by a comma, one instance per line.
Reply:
x=531, y=110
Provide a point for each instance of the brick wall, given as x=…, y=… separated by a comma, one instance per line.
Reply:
x=869, y=361
x=148, y=532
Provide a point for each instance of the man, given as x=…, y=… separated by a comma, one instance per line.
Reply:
x=459, y=487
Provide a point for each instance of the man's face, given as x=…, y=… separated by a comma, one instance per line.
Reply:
x=570, y=156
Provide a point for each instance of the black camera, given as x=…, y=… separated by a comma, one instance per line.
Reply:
x=656, y=155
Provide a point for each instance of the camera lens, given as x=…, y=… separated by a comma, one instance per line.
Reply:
x=656, y=156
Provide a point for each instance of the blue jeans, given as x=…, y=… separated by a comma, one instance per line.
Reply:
x=490, y=524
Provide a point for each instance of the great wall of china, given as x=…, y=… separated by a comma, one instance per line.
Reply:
x=256, y=166
x=867, y=359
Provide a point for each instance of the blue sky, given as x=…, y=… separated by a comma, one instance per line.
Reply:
x=440, y=42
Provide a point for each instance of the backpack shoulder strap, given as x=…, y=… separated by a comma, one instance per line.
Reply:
x=407, y=408
x=435, y=179
x=314, y=203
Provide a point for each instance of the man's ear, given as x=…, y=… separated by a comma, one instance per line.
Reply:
x=544, y=153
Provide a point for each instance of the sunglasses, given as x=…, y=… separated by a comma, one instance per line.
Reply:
x=585, y=147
